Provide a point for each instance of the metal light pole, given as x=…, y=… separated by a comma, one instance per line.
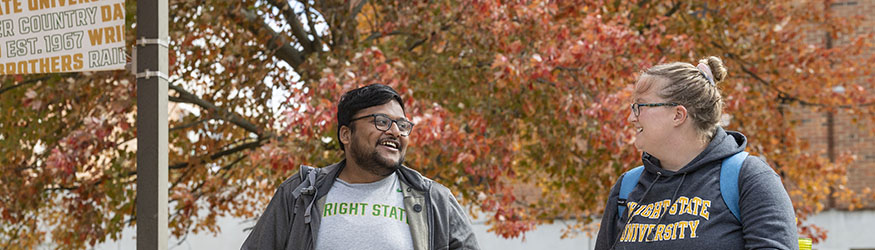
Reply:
x=152, y=136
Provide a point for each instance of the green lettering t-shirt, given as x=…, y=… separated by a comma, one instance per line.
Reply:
x=364, y=216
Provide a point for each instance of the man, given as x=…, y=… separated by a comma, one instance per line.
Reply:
x=369, y=200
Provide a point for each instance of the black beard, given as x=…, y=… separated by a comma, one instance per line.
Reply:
x=375, y=164
x=382, y=166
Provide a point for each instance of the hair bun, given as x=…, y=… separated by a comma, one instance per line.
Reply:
x=717, y=68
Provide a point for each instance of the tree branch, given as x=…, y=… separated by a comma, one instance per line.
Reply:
x=245, y=146
x=419, y=42
x=61, y=188
x=317, y=40
x=186, y=97
x=416, y=44
x=229, y=165
x=642, y=3
x=191, y=124
x=230, y=151
x=355, y=11
x=674, y=9
x=217, y=155
x=26, y=82
x=341, y=19
x=377, y=35
x=781, y=94
x=277, y=42
x=297, y=26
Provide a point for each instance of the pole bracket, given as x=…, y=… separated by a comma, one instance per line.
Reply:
x=149, y=74
x=142, y=41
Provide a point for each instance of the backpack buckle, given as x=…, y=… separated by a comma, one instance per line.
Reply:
x=308, y=190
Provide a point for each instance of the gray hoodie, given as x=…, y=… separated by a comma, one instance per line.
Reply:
x=436, y=219
x=685, y=209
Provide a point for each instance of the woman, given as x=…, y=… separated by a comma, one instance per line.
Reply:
x=677, y=201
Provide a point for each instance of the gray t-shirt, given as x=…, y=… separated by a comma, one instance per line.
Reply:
x=364, y=216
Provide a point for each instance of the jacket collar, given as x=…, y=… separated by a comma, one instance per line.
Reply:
x=413, y=178
x=407, y=175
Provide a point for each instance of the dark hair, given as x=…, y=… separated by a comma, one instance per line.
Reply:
x=361, y=98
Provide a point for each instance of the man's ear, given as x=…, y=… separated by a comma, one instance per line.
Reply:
x=345, y=135
x=680, y=115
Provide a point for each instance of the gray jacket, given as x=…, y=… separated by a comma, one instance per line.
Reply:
x=437, y=221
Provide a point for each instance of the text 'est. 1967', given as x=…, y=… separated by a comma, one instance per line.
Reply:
x=51, y=36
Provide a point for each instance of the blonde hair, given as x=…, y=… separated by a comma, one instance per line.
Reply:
x=689, y=86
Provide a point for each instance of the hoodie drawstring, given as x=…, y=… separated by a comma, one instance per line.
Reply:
x=629, y=218
x=674, y=196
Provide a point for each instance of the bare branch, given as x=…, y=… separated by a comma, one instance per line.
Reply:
x=61, y=188
x=251, y=145
x=416, y=44
x=674, y=8
x=29, y=81
x=342, y=21
x=378, y=35
x=642, y=3
x=191, y=124
x=781, y=94
x=317, y=40
x=186, y=97
x=277, y=42
x=295, y=23
x=246, y=146
x=355, y=10
x=229, y=165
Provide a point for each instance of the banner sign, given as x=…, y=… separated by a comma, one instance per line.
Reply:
x=52, y=36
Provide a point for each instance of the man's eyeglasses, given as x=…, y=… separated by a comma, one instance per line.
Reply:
x=383, y=123
x=636, y=107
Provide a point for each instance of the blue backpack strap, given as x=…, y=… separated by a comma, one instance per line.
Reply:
x=729, y=171
x=630, y=179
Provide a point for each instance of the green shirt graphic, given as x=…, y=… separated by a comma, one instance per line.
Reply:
x=364, y=216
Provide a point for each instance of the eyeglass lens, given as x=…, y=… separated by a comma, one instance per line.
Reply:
x=383, y=123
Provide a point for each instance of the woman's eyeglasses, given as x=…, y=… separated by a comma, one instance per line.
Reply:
x=636, y=107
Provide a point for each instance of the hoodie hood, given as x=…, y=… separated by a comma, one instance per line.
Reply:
x=724, y=144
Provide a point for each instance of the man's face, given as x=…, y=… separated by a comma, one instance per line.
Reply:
x=379, y=152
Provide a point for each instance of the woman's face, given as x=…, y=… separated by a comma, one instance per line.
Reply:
x=653, y=123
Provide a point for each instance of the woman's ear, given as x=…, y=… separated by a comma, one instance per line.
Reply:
x=680, y=115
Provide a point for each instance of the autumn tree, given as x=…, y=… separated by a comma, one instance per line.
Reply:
x=520, y=106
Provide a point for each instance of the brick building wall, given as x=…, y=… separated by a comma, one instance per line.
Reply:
x=848, y=136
